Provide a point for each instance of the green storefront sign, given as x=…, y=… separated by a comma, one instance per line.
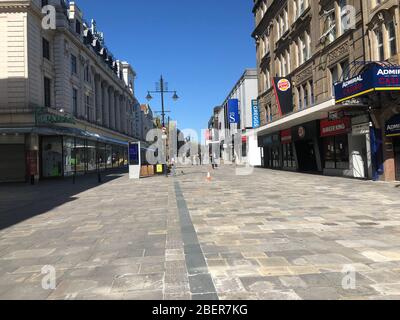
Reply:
x=44, y=117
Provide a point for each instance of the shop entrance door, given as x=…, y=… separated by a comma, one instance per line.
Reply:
x=12, y=163
x=359, y=157
x=52, y=157
x=397, y=157
x=306, y=156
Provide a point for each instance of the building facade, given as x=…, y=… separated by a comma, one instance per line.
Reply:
x=66, y=104
x=146, y=121
x=236, y=116
x=304, y=48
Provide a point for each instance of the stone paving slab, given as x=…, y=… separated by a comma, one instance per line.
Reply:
x=270, y=235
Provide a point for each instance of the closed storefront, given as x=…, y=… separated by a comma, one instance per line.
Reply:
x=12, y=158
x=397, y=157
x=52, y=157
x=335, y=142
x=64, y=156
x=393, y=132
x=272, y=151
x=360, y=147
x=288, y=157
x=306, y=142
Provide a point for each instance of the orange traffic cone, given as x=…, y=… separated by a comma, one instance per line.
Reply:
x=209, y=176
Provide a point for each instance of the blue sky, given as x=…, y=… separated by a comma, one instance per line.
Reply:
x=200, y=46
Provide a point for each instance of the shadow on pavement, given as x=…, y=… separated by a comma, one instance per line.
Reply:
x=20, y=202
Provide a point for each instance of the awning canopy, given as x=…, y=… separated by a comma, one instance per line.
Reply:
x=64, y=131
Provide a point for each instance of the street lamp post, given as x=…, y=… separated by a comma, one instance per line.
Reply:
x=162, y=90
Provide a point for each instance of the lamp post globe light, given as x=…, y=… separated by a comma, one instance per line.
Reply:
x=162, y=90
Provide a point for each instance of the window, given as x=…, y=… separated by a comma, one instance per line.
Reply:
x=46, y=49
x=74, y=65
x=75, y=102
x=87, y=74
x=312, y=97
x=345, y=66
x=336, y=152
x=380, y=46
x=334, y=77
x=302, y=6
x=267, y=79
x=288, y=156
x=307, y=47
x=288, y=68
x=302, y=50
x=300, y=97
x=87, y=107
x=47, y=92
x=283, y=66
x=330, y=26
x=343, y=15
x=392, y=38
x=78, y=27
x=305, y=96
x=45, y=3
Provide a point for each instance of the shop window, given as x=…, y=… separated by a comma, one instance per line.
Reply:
x=342, y=152
x=336, y=152
x=101, y=156
x=91, y=156
x=80, y=156
x=276, y=163
x=69, y=156
x=288, y=156
x=108, y=156
x=52, y=162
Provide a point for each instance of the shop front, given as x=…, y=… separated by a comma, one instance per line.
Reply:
x=335, y=146
x=375, y=85
x=63, y=156
x=360, y=147
x=288, y=152
x=13, y=158
x=271, y=151
x=33, y=153
x=306, y=144
x=393, y=133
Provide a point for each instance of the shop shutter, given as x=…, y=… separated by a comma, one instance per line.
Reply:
x=12, y=163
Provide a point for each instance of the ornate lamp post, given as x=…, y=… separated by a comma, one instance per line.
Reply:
x=162, y=89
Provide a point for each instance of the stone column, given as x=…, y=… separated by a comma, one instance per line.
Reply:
x=117, y=112
x=106, y=106
x=98, y=100
x=111, y=108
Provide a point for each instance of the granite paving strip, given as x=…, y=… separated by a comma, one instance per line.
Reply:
x=200, y=280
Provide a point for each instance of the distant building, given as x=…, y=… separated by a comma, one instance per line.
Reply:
x=235, y=116
x=66, y=103
x=147, y=121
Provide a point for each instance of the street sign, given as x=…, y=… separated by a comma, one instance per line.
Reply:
x=134, y=160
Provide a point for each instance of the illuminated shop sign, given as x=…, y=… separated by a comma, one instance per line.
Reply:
x=375, y=78
x=393, y=126
x=336, y=127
